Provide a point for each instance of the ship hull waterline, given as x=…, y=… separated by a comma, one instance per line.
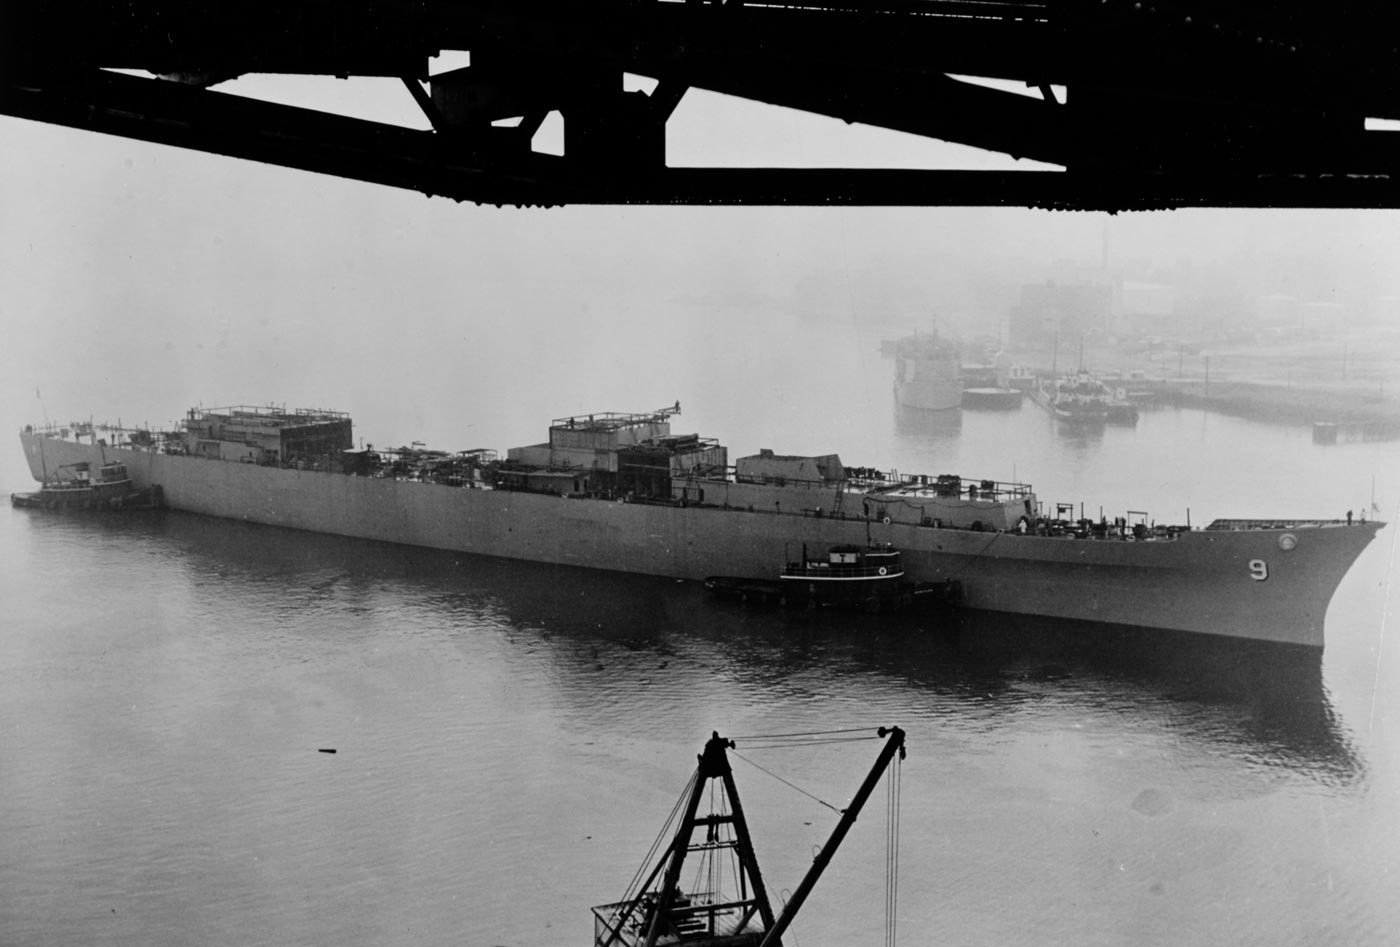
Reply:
x=1232, y=583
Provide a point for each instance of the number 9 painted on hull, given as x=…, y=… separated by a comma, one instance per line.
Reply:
x=1258, y=570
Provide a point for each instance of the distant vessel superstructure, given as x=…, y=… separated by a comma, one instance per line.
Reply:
x=927, y=373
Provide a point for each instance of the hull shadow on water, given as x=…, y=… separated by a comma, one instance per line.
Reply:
x=1265, y=702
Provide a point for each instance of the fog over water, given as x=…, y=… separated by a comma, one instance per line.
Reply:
x=166, y=681
x=138, y=280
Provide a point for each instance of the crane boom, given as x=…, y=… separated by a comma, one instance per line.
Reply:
x=894, y=744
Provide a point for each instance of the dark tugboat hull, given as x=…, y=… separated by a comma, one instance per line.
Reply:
x=887, y=598
x=97, y=501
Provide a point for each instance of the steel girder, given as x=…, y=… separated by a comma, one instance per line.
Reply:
x=1167, y=105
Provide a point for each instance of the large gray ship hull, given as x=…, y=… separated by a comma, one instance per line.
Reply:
x=1264, y=584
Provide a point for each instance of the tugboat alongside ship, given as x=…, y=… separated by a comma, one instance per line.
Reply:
x=870, y=578
x=622, y=492
x=72, y=487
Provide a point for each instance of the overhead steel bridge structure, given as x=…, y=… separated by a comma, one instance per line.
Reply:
x=1133, y=104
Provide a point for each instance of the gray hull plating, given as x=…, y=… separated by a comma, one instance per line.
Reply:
x=1248, y=583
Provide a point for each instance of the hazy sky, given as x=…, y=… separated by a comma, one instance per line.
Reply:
x=138, y=280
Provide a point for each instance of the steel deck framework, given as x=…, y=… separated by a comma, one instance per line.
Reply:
x=1164, y=104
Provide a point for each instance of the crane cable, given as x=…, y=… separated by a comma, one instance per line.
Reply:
x=808, y=733
x=786, y=783
x=892, y=852
x=661, y=836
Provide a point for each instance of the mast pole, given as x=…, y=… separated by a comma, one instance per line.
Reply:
x=848, y=817
x=43, y=464
x=713, y=765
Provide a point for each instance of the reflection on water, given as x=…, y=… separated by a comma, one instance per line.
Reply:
x=1078, y=434
x=1265, y=703
x=514, y=726
x=936, y=425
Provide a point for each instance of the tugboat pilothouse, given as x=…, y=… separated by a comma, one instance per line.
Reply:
x=870, y=577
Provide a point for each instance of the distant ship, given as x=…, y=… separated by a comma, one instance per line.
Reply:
x=622, y=492
x=996, y=384
x=1012, y=375
x=927, y=373
x=997, y=398
x=1085, y=398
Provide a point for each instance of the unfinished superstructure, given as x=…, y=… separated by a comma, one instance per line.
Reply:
x=268, y=435
x=612, y=455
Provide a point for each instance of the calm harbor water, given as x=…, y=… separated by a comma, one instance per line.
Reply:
x=509, y=737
